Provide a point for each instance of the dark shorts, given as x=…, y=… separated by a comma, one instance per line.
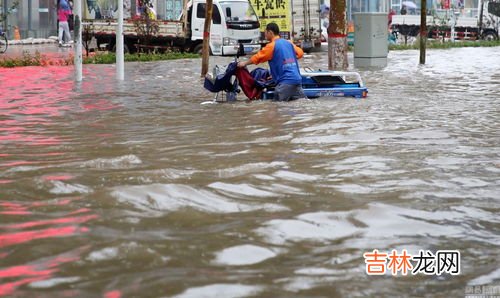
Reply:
x=286, y=92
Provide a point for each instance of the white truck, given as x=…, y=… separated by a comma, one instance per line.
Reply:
x=180, y=25
x=298, y=20
x=483, y=22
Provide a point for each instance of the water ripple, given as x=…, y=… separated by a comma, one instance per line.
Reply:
x=126, y=189
x=156, y=199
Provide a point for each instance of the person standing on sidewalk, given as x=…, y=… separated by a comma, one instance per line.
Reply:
x=63, y=13
x=282, y=56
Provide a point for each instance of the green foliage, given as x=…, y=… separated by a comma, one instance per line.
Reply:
x=38, y=59
x=146, y=26
x=110, y=58
x=26, y=59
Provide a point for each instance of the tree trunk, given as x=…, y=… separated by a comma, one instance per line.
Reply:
x=206, y=38
x=337, y=36
x=423, y=31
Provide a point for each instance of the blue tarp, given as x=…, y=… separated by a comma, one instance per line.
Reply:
x=222, y=82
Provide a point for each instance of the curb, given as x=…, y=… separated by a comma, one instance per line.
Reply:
x=33, y=41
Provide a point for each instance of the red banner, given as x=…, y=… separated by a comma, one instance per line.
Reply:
x=446, y=4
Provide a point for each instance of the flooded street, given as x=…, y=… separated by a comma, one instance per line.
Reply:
x=134, y=189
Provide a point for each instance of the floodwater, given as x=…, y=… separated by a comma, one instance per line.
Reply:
x=135, y=189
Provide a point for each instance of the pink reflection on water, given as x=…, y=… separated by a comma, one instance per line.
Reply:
x=12, y=129
x=58, y=177
x=31, y=139
x=22, y=237
x=15, y=212
x=35, y=103
x=64, y=220
x=11, y=208
x=18, y=163
x=79, y=211
x=60, y=202
x=34, y=96
x=35, y=90
x=29, y=95
x=98, y=104
x=17, y=77
x=104, y=135
x=113, y=294
x=10, y=287
x=29, y=273
x=23, y=270
x=44, y=154
x=18, y=275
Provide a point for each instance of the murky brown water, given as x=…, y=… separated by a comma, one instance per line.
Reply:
x=137, y=190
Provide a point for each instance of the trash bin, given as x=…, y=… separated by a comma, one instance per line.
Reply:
x=370, y=39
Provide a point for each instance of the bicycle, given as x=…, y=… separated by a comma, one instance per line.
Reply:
x=3, y=41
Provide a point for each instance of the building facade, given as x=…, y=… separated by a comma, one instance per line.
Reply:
x=33, y=18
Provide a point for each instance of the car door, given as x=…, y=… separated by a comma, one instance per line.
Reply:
x=198, y=23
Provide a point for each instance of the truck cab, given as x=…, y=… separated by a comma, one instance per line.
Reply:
x=233, y=22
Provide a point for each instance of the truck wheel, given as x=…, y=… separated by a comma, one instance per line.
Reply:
x=125, y=49
x=490, y=35
x=198, y=49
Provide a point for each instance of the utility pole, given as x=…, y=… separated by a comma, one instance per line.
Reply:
x=206, y=38
x=120, y=59
x=337, y=36
x=423, y=31
x=78, y=40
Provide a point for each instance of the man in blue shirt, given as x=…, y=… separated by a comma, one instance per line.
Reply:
x=282, y=56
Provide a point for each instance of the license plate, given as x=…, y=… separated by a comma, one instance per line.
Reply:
x=330, y=93
x=306, y=45
x=248, y=49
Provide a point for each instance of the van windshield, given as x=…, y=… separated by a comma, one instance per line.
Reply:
x=238, y=11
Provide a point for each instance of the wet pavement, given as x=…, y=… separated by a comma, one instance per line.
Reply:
x=135, y=189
